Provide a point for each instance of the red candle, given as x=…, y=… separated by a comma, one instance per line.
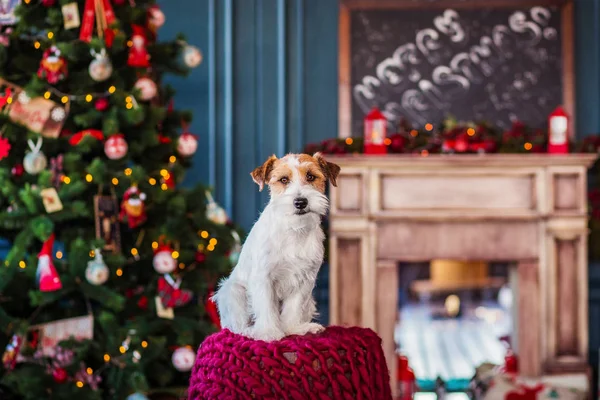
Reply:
x=558, y=131
x=375, y=132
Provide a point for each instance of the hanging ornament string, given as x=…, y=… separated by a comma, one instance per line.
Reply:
x=102, y=12
x=35, y=148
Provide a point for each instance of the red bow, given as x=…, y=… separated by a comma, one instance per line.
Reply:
x=78, y=137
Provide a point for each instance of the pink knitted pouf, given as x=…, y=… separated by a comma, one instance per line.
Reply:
x=340, y=363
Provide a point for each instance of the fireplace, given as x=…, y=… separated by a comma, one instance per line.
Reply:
x=527, y=209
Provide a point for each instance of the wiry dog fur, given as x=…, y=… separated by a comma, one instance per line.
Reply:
x=269, y=293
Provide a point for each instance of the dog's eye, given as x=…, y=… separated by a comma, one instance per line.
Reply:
x=310, y=177
x=284, y=180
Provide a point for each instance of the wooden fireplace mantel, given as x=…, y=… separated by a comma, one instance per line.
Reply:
x=526, y=208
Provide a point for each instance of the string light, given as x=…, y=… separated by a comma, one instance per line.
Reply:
x=212, y=242
x=144, y=344
x=164, y=186
x=152, y=181
x=9, y=100
x=115, y=181
x=112, y=89
x=119, y=272
x=66, y=180
x=172, y=159
x=387, y=141
x=181, y=265
x=129, y=106
x=92, y=253
x=175, y=254
x=89, y=371
x=155, y=245
x=88, y=97
x=164, y=173
x=528, y=146
x=50, y=35
x=210, y=247
x=424, y=153
x=128, y=99
x=128, y=171
x=59, y=254
x=200, y=247
x=129, y=43
x=349, y=141
x=204, y=234
x=47, y=95
x=22, y=264
x=106, y=358
x=79, y=384
x=65, y=99
x=37, y=45
x=428, y=127
x=134, y=252
x=122, y=349
x=89, y=178
x=414, y=133
x=470, y=131
x=27, y=1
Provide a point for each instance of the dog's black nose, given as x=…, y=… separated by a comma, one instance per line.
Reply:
x=300, y=203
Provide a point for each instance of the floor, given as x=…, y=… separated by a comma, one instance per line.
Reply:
x=451, y=348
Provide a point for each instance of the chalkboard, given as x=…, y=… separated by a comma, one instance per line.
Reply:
x=496, y=65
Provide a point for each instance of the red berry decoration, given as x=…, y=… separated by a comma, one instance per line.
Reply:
x=17, y=170
x=60, y=375
x=101, y=104
x=200, y=257
x=143, y=302
x=48, y=3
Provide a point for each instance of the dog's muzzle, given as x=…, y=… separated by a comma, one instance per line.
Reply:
x=300, y=204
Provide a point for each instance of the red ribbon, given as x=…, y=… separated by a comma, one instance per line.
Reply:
x=78, y=137
x=4, y=99
x=89, y=16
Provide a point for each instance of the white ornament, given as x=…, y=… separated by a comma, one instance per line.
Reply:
x=58, y=114
x=183, y=359
x=163, y=261
x=136, y=396
x=187, y=144
x=157, y=17
x=192, y=57
x=100, y=68
x=23, y=98
x=96, y=272
x=234, y=255
x=147, y=88
x=214, y=212
x=35, y=161
x=115, y=147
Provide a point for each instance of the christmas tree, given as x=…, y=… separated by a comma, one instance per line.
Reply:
x=103, y=293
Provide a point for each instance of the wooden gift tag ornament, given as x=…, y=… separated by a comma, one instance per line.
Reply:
x=70, y=14
x=106, y=216
x=51, y=200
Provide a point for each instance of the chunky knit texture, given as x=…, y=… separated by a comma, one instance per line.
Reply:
x=340, y=363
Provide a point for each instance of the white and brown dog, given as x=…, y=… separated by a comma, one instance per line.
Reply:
x=269, y=293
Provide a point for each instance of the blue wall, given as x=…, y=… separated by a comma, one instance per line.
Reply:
x=268, y=85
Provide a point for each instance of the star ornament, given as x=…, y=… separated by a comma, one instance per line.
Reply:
x=4, y=148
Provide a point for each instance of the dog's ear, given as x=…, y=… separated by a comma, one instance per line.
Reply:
x=330, y=170
x=261, y=174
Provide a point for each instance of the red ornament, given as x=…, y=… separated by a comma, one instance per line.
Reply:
x=17, y=170
x=138, y=54
x=448, y=145
x=143, y=302
x=101, y=104
x=133, y=207
x=4, y=147
x=511, y=363
x=525, y=393
x=169, y=180
x=200, y=257
x=171, y=295
x=397, y=143
x=558, y=131
x=116, y=147
x=47, y=276
x=375, y=132
x=53, y=66
x=211, y=310
x=462, y=143
x=59, y=375
x=4, y=98
x=78, y=137
x=187, y=144
x=405, y=380
x=48, y=3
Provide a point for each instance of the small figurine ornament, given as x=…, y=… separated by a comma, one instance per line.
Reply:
x=163, y=261
x=133, y=207
x=53, y=66
x=47, y=276
x=138, y=54
x=183, y=359
x=96, y=272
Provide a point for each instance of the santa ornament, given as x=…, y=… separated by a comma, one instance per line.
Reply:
x=35, y=161
x=47, y=276
x=170, y=293
x=100, y=68
x=183, y=359
x=147, y=88
x=133, y=207
x=115, y=147
x=187, y=144
x=53, y=66
x=163, y=261
x=138, y=54
x=96, y=272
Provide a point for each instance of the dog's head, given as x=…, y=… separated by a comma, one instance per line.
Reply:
x=297, y=182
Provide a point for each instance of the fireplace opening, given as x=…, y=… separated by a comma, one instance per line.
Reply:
x=453, y=317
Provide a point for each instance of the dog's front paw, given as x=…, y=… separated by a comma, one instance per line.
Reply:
x=266, y=334
x=303, y=329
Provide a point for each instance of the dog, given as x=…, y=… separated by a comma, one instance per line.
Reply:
x=268, y=295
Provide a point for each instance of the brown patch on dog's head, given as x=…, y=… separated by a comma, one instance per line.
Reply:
x=329, y=169
x=262, y=174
